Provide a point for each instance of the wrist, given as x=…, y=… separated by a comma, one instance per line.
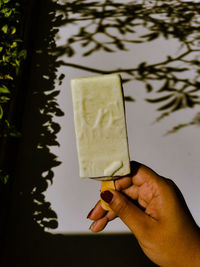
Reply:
x=188, y=253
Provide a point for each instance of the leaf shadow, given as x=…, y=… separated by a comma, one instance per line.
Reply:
x=120, y=25
x=27, y=241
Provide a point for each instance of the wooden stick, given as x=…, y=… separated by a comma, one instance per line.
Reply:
x=106, y=185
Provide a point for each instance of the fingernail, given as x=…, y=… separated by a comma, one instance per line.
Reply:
x=106, y=196
x=92, y=225
x=89, y=214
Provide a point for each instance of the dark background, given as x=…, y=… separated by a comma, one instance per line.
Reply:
x=24, y=240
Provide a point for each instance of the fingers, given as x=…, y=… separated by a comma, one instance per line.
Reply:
x=142, y=174
x=101, y=223
x=137, y=172
x=97, y=212
x=132, y=192
x=98, y=225
x=123, y=183
x=133, y=186
x=100, y=217
x=130, y=214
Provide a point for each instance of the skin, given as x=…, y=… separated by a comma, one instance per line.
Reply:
x=154, y=210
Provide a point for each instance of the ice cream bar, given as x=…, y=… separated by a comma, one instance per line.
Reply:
x=100, y=127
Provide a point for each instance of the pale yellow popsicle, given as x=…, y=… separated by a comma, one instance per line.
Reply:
x=100, y=127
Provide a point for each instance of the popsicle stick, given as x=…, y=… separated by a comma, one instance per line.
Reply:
x=106, y=185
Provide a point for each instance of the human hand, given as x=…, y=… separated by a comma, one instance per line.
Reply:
x=154, y=210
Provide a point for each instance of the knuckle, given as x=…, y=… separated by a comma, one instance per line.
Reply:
x=120, y=207
x=169, y=183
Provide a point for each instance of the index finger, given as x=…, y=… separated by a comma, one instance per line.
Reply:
x=135, y=176
x=141, y=173
x=126, y=181
x=97, y=212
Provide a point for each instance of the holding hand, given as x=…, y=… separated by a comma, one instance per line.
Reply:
x=154, y=210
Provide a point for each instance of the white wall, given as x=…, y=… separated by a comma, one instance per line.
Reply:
x=175, y=156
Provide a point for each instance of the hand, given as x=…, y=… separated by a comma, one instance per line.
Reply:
x=154, y=210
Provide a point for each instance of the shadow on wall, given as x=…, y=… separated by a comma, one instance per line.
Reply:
x=35, y=161
x=30, y=212
x=125, y=25
x=27, y=242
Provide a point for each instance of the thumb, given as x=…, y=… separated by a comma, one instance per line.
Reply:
x=129, y=213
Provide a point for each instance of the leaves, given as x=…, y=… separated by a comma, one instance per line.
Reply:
x=142, y=68
x=4, y=99
x=149, y=88
x=5, y=28
x=151, y=36
x=129, y=99
x=4, y=177
x=162, y=18
x=178, y=99
x=69, y=51
x=89, y=52
x=12, y=53
x=22, y=54
x=165, y=87
x=1, y=112
x=114, y=27
x=4, y=89
x=170, y=104
x=160, y=99
x=13, y=30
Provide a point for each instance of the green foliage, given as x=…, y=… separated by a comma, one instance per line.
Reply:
x=12, y=55
x=4, y=177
